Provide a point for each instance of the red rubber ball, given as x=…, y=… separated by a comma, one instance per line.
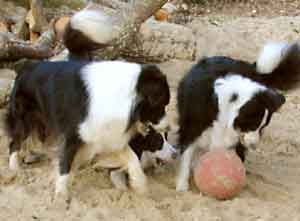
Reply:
x=220, y=174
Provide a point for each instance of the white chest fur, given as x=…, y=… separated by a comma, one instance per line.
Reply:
x=222, y=133
x=111, y=87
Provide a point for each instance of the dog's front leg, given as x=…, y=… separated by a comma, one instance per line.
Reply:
x=182, y=182
x=137, y=178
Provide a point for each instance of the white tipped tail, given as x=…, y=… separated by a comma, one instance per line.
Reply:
x=95, y=24
x=271, y=56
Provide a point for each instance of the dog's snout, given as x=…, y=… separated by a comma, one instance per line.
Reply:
x=162, y=126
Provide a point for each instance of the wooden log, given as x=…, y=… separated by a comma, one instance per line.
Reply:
x=126, y=34
x=13, y=49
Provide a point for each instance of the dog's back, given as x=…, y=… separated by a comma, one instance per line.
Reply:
x=33, y=95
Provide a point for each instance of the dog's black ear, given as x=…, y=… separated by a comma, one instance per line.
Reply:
x=134, y=115
x=273, y=99
x=152, y=85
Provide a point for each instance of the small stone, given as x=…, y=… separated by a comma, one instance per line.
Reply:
x=5, y=88
x=21, y=30
x=3, y=27
x=184, y=7
x=170, y=7
x=7, y=176
x=161, y=15
x=34, y=157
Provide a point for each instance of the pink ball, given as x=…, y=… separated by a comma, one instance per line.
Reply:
x=220, y=173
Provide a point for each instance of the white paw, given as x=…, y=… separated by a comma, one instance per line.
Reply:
x=119, y=179
x=61, y=186
x=182, y=186
x=14, y=162
x=139, y=185
x=61, y=197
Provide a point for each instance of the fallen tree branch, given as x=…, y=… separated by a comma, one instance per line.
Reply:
x=13, y=49
x=114, y=4
x=155, y=42
x=131, y=37
x=125, y=34
x=122, y=35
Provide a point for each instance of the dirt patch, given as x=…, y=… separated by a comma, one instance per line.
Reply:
x=272, y=191
x=191, y=9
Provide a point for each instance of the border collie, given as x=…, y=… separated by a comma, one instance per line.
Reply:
x=152, y=149
x=227, y=103
x=97, y=107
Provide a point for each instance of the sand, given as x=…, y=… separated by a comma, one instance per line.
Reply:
x=273, y=178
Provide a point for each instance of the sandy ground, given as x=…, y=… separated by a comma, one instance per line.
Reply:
x=272, y=191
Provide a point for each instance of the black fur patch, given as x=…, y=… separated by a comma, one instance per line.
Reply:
x=153, y=96
x=241, y=151
x=153, y=141
x=251, y=114
x=197, y=104
x=234, y=97
x=222, y=65
x=285, y=77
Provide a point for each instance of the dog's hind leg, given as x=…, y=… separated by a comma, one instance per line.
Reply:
x=18, y=132
x=71, y=147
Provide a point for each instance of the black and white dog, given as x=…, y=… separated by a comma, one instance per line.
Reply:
x=227, y=103
x=151, y=149
x=98, y=107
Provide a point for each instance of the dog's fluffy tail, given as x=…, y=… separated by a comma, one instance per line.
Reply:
x=16, y=120
x=278, y=65
x=87, y=30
